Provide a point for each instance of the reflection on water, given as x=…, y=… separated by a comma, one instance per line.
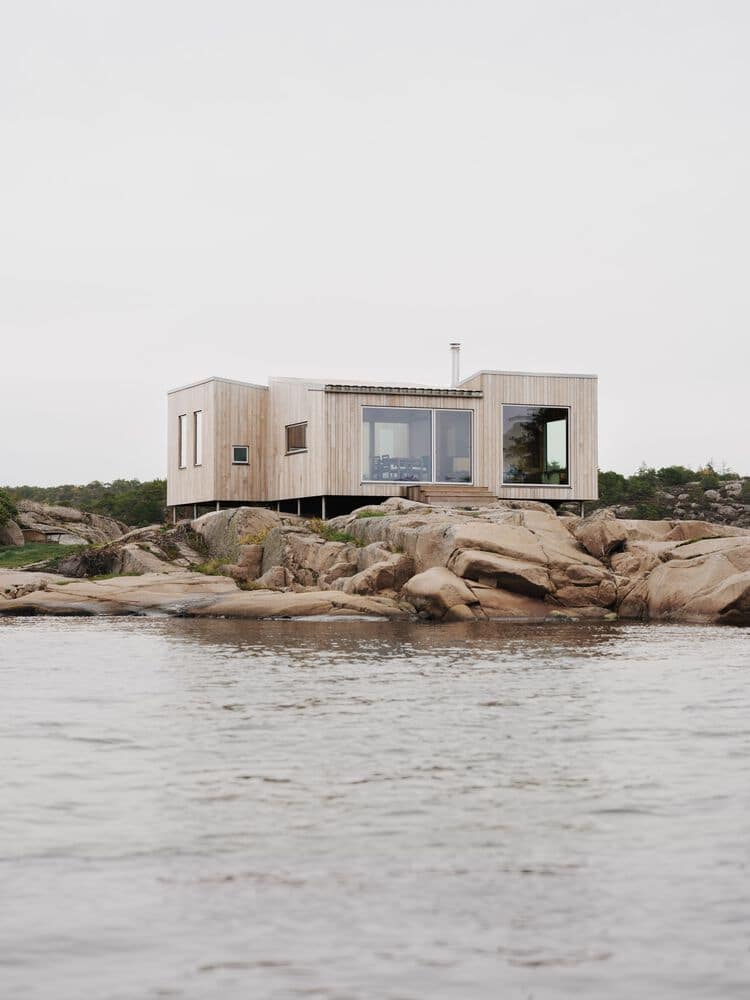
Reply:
x=354, y=810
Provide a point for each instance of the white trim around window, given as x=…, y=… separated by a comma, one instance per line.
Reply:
x=538, y=486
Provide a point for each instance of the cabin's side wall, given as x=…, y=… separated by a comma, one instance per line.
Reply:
x=344, y=434
x=302, y=473
x=578, y=393
x=239, y=418
x=194, y=483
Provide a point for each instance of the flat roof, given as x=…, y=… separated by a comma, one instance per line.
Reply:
x=216, y=378
x=492, y=371
x=409, y=388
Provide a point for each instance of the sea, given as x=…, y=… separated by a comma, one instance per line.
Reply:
x=354, y=810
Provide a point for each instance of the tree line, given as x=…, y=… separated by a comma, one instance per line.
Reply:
x=129, y=500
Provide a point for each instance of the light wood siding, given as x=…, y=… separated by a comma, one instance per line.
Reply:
x=240, y=417
x=236, y=413
x=302, y=473
x=193, y=484
x=233, y=413
x=344, y=434
x=578, y=393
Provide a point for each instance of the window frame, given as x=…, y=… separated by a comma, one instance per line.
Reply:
x=538, y=486
x=247, y=454
x=197, y=439
x=287, y=428
x=432, y=410
x=182, y=448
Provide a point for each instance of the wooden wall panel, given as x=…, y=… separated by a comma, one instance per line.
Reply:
x=301, y=474
x=577, y=392
x=240, y=417
x=193, y=484
x=344, y=434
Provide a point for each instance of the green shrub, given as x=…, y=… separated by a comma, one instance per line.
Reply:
x=331, y=534
x=370, y=513
x=8, y=510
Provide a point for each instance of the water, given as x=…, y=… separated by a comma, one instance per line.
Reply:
x=368, y=810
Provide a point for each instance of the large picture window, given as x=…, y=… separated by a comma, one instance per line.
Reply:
x=397, y=444
x=453, y=446
x=535, y=445
x=401, y=444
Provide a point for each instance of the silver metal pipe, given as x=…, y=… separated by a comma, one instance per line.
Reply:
x=455, y=365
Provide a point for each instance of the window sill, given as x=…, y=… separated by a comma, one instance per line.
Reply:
x=296, y=451
x=240, y=463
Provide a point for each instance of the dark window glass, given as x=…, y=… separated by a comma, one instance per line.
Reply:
x=535, y=445
x=453, y=446
x=396, y=444
x=296, y=437
x=240, y=454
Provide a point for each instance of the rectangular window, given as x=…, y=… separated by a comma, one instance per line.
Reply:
x=240, y=454
x=453, y=446
x=198, y=437
x=535, y=445
x=182, y=440
x=296, y=437
x=396, y=444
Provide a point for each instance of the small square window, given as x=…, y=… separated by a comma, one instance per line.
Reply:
x=240, y=454
x=296, y=437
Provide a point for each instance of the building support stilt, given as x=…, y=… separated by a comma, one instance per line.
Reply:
x=299, y=508
x=195, y=510
x=218, y=505
x=323, y=508
x=174, y=515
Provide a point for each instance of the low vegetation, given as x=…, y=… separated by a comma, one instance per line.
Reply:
x=17, y=556
x=330, y=533
x=371, y=513
x=650, y=492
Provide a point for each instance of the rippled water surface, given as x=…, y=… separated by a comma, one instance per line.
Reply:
x=368, y=810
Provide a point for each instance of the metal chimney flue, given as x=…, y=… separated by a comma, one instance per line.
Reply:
x=455, y=365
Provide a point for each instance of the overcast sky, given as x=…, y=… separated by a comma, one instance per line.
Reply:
x=340, y=189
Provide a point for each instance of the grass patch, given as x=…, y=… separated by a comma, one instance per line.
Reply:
x=371, y=513
x=210, y=568
x=331, y=534
x=257, y=539
x=17, y=556
x=251, y=585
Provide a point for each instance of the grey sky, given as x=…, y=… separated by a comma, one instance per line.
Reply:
x=341, y=188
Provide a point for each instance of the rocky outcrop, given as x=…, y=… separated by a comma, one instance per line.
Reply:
x=66, y=525
x=506, y=560
x=183, y=594
x=225, y=531
x=11, y=534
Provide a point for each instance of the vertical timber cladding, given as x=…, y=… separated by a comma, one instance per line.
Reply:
x=579, y=392
x=344, y=430
x=193, y=484
x=240, y=418
x=302, y=473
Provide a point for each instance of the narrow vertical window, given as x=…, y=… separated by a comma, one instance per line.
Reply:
x=198, y=437
x=182, y=440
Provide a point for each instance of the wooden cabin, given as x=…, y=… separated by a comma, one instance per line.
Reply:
x=323, y=448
